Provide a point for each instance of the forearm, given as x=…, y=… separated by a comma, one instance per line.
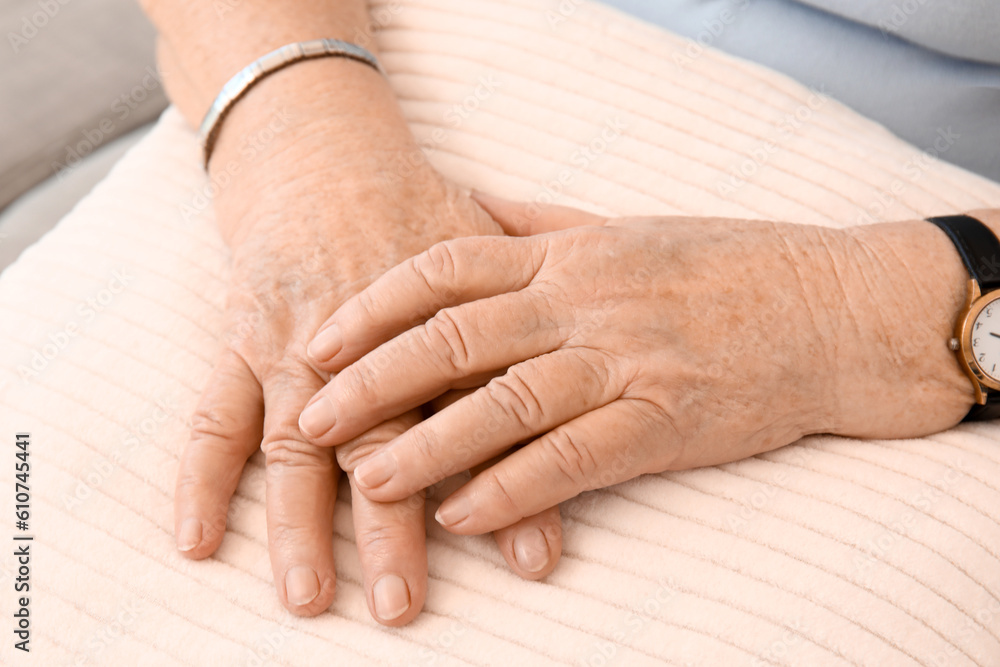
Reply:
x=203, y=44
x=329, y=126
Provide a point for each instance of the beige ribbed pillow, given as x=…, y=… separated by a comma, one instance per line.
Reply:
x=828, y=552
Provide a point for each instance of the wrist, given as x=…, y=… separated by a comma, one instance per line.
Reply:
x=336, y=108
x=328, y=129
x=901, y=288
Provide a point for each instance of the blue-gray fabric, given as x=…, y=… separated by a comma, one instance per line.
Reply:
x=922, y=68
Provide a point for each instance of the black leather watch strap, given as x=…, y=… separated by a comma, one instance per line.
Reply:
x=977, y=245
x=980, y=251
x=991, y=410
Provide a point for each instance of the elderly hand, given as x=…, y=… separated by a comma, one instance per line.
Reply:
x=631, y=346
x=318, y=210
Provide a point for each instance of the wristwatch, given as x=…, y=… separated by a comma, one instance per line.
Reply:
x=977, y=332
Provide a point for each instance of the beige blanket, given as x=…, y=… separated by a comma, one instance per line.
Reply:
x=828, y=552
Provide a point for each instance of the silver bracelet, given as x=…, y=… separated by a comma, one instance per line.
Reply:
x=250, y=75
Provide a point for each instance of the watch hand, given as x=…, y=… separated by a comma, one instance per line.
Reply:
x=995, y=334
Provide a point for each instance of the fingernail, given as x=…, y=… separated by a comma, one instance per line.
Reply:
x=326, y=344
x=531, y=550
x=453, y=511
x=301, y=585
x=392, y=597
x=189, y=535
x=318, y=417
x=376, y=471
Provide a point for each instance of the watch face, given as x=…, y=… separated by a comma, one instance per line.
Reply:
x=985, y=337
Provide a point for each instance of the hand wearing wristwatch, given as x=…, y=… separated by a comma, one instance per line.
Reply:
x=977, y=332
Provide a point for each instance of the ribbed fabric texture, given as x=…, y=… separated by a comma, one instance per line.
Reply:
x=827, y=552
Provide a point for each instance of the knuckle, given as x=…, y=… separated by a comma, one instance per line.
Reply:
x=357, y=383
x=427, y=448
x=354, y=451
x=596, y=371
x=445, y=337
x=282, y=451
x=503, y=495
x=190, y=481
x=437, y=265
x=367, y=304
x=381, y=541
x=440, y=267
x=217, y=428
x=572, y=459
x=209, y=423
x=292, y=372
x=243, y=336
x=425, y=445
x=280, y=535
x=512, y=394
x=350, y=457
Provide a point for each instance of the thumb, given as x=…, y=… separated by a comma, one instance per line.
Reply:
x=530, y=218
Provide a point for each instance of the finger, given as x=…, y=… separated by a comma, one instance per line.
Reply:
x=391, y=537
x=301, y=489
x=225, y=431
x=600, y=448
x=529, y=218
x=532, y=546
x=531, y=398
x=448, y=274
x=392, y=548
x=426, y=361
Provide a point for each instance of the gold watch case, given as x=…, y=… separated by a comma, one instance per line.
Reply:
x=975, y=303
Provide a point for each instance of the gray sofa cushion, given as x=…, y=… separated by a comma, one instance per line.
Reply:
x=74, y=75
